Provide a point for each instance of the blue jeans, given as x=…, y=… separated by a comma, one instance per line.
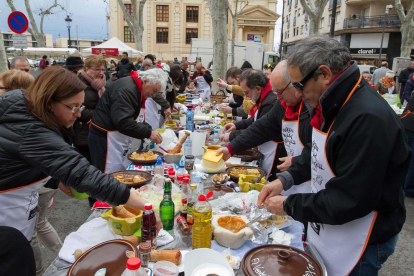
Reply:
x=374, y=257
x=409, y=180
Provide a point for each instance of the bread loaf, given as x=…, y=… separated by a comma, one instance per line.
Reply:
x=173, y=256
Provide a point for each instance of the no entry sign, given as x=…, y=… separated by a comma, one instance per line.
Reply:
x=18, y=22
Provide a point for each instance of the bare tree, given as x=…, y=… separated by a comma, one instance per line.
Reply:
x=218, y=10
x=234, y=15
x=314, y=8
x=135, y=21
x=33, y=30
x=3, y=58
x=407, y=28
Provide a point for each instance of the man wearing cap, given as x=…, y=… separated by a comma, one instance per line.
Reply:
x=357, y=163
x=74, y=64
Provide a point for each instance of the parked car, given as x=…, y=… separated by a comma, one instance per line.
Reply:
x=61, y=61
x=369, y=68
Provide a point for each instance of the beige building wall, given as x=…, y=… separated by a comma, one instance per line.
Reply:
x=258, y=18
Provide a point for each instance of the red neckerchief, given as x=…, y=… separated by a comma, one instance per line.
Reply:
x=292, y=112
x=370, y=84
x=317, y=119
x=159, y=65
x=138, y=81
x=266, y=90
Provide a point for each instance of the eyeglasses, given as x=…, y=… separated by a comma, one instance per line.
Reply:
x=280, y=92
x=98, y=69
x=5, y=88
x=74, y=109
x=25, y=70
x=300, y=85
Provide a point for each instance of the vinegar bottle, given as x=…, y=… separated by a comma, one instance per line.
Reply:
x=202, y=214
x=149, y=225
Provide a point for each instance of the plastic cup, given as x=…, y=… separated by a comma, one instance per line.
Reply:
x=164, y=268
x=78, y=195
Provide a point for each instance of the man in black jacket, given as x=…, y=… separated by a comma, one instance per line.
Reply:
x=357, y=165
x=118, y=117
x=186, y=75
x=403, y=77
x=125, y=66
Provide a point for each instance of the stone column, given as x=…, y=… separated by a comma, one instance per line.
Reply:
x=271, y=38
x=240, y=33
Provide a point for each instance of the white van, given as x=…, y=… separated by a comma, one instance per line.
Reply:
x=369, y=68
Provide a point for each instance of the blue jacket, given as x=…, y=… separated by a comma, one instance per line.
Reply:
x=408, y=89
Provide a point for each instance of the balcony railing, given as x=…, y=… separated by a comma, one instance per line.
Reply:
x=391, y=21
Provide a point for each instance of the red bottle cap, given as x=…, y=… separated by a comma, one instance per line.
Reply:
x=201, y=198
x=171, y=172
x=180, y=218
x=184, y=201
x=210, y=194
x=148, y=206
x=170, y=169
x=186, y=180
x=186, y=175
x=180, y=177
x=133, y=263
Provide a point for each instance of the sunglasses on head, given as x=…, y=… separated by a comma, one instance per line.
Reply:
x=269, y=66
x=301, y=84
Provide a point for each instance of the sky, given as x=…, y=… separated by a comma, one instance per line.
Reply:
x=88, y=15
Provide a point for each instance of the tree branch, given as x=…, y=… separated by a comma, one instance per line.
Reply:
x=141, y=11
x=247, y=3
x=127, y=17
x=400, y=10
x=31, y=18
x=233, y=15
x=46, y=12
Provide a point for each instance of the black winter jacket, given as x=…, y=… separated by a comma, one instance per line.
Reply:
x=30, y=151
x=124, y=67
x=81, y=126
x=403, y=77
x=366, y=150
x=267, y=104
x=118, y=109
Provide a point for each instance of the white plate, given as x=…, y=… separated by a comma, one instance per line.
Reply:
x=180, y=267
x=197, y=257
x=209, y=268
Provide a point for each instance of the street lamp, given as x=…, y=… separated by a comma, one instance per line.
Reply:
x=68, y=22
x=387, y=8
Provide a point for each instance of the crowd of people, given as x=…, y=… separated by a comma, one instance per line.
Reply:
x=336, y=154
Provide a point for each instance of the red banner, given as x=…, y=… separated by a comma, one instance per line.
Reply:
x=105, y=51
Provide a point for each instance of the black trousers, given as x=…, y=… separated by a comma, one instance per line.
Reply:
x=97, y=141
x=16, y=254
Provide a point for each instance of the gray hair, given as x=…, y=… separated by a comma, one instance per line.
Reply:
x=13, y=61
x=253, y=78
x=184, y=62
x=147, y=62
x=315, y=51
x=154, y=76
x=283, y=65
x=390, y=74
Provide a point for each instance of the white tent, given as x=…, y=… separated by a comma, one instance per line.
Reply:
x=114, y=43
x=48, y=51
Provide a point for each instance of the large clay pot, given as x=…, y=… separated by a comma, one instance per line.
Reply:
x=222, y=229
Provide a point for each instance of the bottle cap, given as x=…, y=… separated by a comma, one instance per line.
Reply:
x=148, y=206
x=180, y=177
x=133, y=263
x=184, y=201
x=145, y=247
x=170, y=169
x=186, y=175
x=186, y=180
x=180, y=218
x=215, y=131
x=171, y=172
x=193, y=186
x=201, y=198
x=197, y=178
x=159, y=160
x=189, y=157
x=210, y=194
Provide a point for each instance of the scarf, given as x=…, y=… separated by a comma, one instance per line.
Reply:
x=138, y=81
x=370, y=84
x=266, y=90
x=292, y=112
x=96, y=84
x=387, y=83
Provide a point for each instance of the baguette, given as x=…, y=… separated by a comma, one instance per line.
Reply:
x=173, y=256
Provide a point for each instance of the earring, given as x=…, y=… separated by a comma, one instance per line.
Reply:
x=51, y=110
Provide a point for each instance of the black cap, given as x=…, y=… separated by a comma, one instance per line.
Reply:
x=73, y=62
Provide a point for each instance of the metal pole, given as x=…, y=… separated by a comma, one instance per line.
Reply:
x=333, y=18
x=383, y=31
x=69, y=36
x=281, y=31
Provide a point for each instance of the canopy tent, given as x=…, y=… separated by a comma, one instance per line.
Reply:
x=114, y=42
x=48, y=51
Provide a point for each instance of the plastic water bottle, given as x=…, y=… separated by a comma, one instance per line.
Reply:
x=200, y=185
x=188, y=146
x=181, y=170
x=216, y=137
x=190, y=120
x=159, y=168
x=134, y=268
x=149, y=225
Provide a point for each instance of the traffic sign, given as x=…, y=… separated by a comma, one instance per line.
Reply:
x=18, y=22
x=19, y=41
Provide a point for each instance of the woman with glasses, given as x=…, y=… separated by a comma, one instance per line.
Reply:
x=32, y=150
x=93, y=76
x=14, y=79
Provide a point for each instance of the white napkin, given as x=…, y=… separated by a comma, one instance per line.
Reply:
x=281, y=237
x=95, y=232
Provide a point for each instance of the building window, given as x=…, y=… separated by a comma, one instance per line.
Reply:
x=322, y=19
x=128, y=7
x=337, y=17
x=192, y=14
x=301, y=30
x=190, y=33
x=162, y=13
x=162, y=35
x=128, y=37
x=34, y=44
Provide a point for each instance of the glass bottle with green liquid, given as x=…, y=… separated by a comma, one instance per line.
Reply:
x=167, y=207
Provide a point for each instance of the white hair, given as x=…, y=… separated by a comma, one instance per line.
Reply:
x=390, y=74
x=154, y=76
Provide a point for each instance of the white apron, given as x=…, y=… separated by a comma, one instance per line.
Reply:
x=268, y=150
x=203, y=88
x=294, y=147
x=340, y=246
x=152, y=113
x=118, y=148
x=18, y=207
